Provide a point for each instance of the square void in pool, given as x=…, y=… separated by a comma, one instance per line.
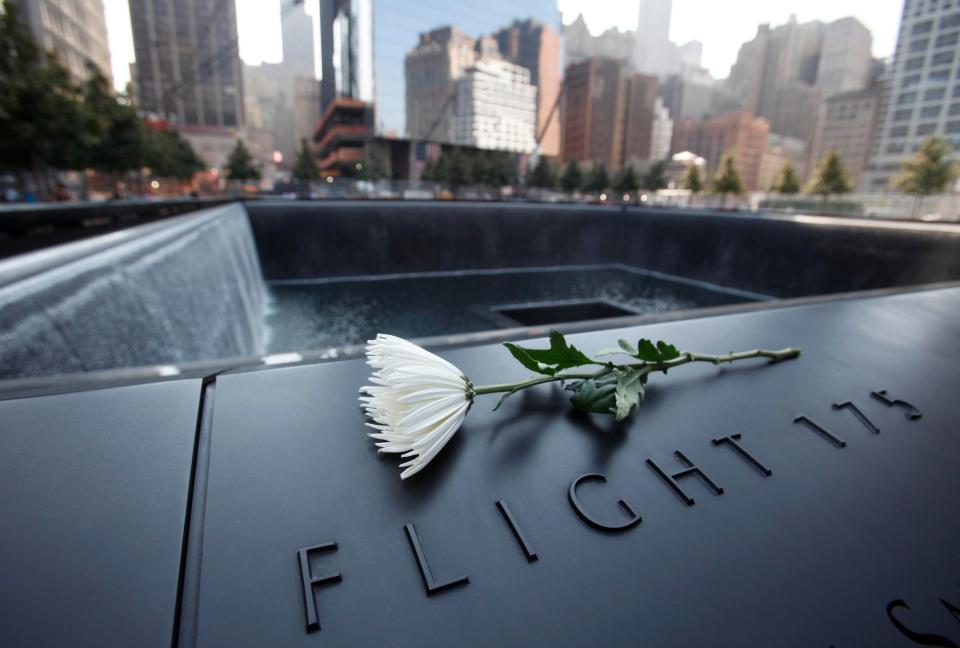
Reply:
x=324, y=313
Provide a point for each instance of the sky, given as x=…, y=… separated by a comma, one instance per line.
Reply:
x=722, y=26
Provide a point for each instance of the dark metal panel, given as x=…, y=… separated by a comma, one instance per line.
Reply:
x=811, y=555
x=95, y=488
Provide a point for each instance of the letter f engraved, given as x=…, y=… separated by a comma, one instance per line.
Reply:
x=310, y=581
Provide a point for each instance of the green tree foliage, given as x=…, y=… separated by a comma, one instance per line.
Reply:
x=41, y=123
x=374, y=164
x=829, y=178
x=572, y=177
x=119, y=138
x=727, y=179
x=542, y=175
x=170, y=156
x=305, y=168
x=656, y=177
x=240, y=165
x=786, y=181
x=626, y=180
x=692, y=181
x=928, y=172
x=597, y=180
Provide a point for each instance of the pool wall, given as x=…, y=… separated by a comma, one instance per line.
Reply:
x=775, y=255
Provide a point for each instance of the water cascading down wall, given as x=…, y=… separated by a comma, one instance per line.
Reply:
x=184, y=289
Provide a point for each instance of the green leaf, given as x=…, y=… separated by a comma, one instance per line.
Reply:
x=559, y=356
x=667, y=351
x=629, y=392
x=593, y=396
x=524, y=358
x=647, y=352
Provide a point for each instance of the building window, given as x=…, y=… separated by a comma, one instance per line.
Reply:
x=942, y=58
x=919, y=45
x=898, y=131
x=934, y=94
x=914, y=63
x=930, y=111
x=910, y=80
x=953, y=127
x=904, y=115
x=939, y=76
x=943, y=40
x=907, y=97
x=895, y=147
x=924, y=27
x=954, y=110
x=953, y=20
x=926, y=129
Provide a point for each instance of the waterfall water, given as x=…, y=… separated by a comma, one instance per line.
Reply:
x=187, y=288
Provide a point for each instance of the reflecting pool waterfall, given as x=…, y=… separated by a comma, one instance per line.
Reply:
x=185, y=289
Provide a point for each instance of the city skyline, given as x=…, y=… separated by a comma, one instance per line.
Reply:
x=260, y=40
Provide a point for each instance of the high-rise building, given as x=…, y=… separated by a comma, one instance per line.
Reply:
x=661, y=133
x=740, y=134
x=75, y=30
x=188, y=61
x=536, y=47
x=848, y=124
x=845, y=59
x=496, y=107
x=639, y=113
x=431, y=72
x=579, y=44
x=296, y=30
x=609, y=114
x=922, y=96
x=694, y=93
x=653, y=53
x=346, y=50
x=396, y=31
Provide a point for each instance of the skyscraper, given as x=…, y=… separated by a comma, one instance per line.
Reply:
x=496, y=107
x=296, y=30
x=848, y=125
x=609, y=114
x=346, y=50
x=188, y=61
x=923, y=96
x=536, y=47
x=653, y=52
x=75, y=29
x=431, y=72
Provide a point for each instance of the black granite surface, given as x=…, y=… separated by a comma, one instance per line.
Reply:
x=94, y=498
x=812, y=555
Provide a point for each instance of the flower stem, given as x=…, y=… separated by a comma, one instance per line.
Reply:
x=685, y=357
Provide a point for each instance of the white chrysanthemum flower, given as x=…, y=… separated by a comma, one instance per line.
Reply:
x=417, y=402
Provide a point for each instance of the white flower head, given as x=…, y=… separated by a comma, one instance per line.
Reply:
x=416, y=403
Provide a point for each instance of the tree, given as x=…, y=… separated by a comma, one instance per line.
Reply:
x=786, y=181
x=305, y=168
x=119, y=140
x=572, y=177
x=829, y=178
x=626, y=180
x=374, y=165
x=727, y=179
x=170, y=156
x=240, y=165
x=656, y=177
x=458, y=171
x=692, y=181
x=542, y=174
x=41, y=122
x=598, y=180
x=928, y=172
